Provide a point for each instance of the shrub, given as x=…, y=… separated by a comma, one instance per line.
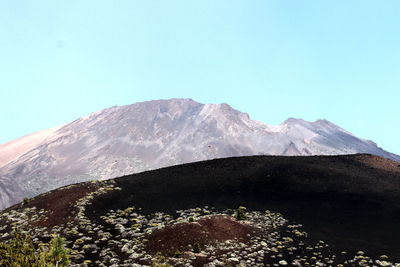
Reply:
x=20, y=251
x=159, y=261
x=240, y=214
x=79, y=241
x=25, y=201
x=178, y=254
x=57, y=251
x=196, y=248
x=227, y=263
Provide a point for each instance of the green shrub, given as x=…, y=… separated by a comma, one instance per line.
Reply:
x=196, y=248
x=25, y=201
x=159, y=261
x=240, y=214
x=227, y=263
x=178, y=254
x=20, y=251
x=57, y=251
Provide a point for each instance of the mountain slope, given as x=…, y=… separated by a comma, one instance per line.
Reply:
x=128, y=139
x=350, y=202
x=15, y=148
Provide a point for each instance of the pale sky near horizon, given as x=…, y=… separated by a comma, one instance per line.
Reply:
x=336, y=60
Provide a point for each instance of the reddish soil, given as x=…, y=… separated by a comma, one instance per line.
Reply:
x=376, y=162
x=205, y=231
x=59, y=204
x=336, y=198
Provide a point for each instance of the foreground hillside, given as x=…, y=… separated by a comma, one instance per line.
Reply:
x=316, y=211
x=149, y=135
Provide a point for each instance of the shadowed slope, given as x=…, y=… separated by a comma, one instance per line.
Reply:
x=352, y=202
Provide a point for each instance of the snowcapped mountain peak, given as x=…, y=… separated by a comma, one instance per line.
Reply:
x=127, y=139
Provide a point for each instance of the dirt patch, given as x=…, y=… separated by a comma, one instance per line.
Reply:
x=378, y=162
x=206, y=231
x=59, y=204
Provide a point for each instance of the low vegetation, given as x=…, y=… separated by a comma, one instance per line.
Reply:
x=193, y=237
x=240, y=214
x=20, y=250
x=101, y=224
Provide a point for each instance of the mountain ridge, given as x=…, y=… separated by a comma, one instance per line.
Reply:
x=122, y=140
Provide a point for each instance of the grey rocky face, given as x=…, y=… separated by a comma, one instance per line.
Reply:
x=127, y=139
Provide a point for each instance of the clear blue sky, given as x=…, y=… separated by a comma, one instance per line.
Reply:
x=338, y=60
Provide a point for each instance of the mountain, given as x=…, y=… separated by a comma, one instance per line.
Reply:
x=15, y=148
x=128, y=139
x=302, y=210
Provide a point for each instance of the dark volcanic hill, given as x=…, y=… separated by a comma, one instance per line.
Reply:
x=350, y=202
x=128, y=139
